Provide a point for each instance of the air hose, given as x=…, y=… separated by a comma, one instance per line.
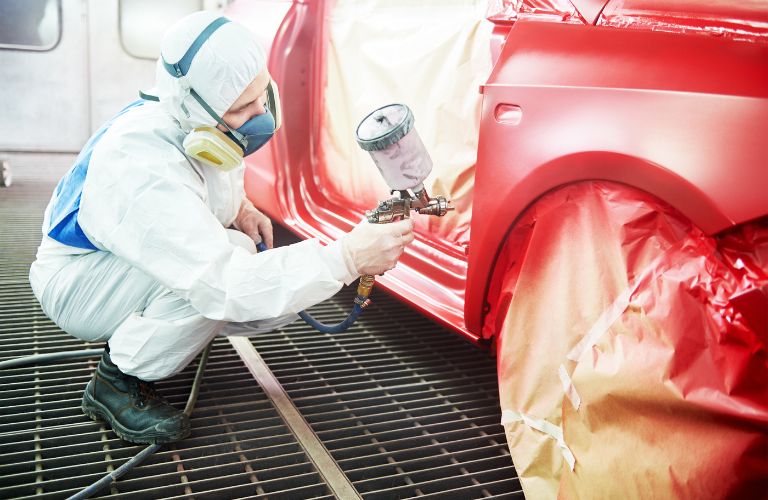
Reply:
x=338, y=327
x=45, y=358
x=361, y=302
x=143, y=454
x=146, y=452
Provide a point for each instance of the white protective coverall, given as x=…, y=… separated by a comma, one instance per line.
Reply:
x=166, y=274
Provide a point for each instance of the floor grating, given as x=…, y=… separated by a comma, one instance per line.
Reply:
x=405, y=407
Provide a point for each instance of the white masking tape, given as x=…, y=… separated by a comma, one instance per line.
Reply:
x=541, y=425
x=568, y=387
x=603, y=323
x=620, y=304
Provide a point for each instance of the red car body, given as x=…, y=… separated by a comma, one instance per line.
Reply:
x=668, y=96
x=617, y=251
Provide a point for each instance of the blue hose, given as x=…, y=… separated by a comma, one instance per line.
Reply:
x=322, y=327
x=337, y=328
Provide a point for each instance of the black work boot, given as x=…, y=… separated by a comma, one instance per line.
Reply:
x=131, y=407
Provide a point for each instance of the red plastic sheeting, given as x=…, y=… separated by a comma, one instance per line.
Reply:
x=543, y=10
x=745, y=20
x=633, y=354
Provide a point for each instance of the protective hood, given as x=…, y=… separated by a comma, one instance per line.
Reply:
x=225, y=64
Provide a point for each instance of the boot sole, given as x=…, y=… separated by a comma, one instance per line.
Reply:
x=96, y=412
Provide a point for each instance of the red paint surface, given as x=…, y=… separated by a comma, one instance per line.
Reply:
x=736, y=19
x=679, y=115
x=652, y=110
x=676, y=378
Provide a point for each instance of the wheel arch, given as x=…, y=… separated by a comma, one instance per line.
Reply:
x=489, y=269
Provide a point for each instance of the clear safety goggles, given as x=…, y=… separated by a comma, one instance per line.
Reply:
x=273, y=103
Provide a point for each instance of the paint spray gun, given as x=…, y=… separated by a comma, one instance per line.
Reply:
x=396, y=148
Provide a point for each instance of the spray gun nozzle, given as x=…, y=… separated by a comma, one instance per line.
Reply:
x=436, y=206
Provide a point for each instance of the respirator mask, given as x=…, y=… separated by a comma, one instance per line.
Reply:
x=224, y=149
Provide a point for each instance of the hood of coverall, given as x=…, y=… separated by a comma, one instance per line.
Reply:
x=221, y=70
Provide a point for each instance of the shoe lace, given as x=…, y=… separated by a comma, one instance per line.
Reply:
x=145, y=391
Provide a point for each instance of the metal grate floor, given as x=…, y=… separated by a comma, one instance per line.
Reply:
x=405, y=407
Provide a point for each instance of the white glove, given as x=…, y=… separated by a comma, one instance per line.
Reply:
x=375, y=248
x=254, y=223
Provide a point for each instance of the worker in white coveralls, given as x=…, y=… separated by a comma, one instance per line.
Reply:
x=150, y=243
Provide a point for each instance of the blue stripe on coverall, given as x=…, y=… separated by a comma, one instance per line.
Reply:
x=63, y=226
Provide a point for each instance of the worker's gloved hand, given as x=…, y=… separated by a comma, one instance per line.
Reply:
x=254, y=223
x=375, y=248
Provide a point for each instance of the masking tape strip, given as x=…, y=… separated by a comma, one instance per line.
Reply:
x=541, y=425
x=603, y=323
x=616, y=309
x=568, y=387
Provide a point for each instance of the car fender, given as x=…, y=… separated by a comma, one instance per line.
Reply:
x=652, y=110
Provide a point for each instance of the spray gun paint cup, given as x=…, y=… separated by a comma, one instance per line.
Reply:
x=395, y=147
